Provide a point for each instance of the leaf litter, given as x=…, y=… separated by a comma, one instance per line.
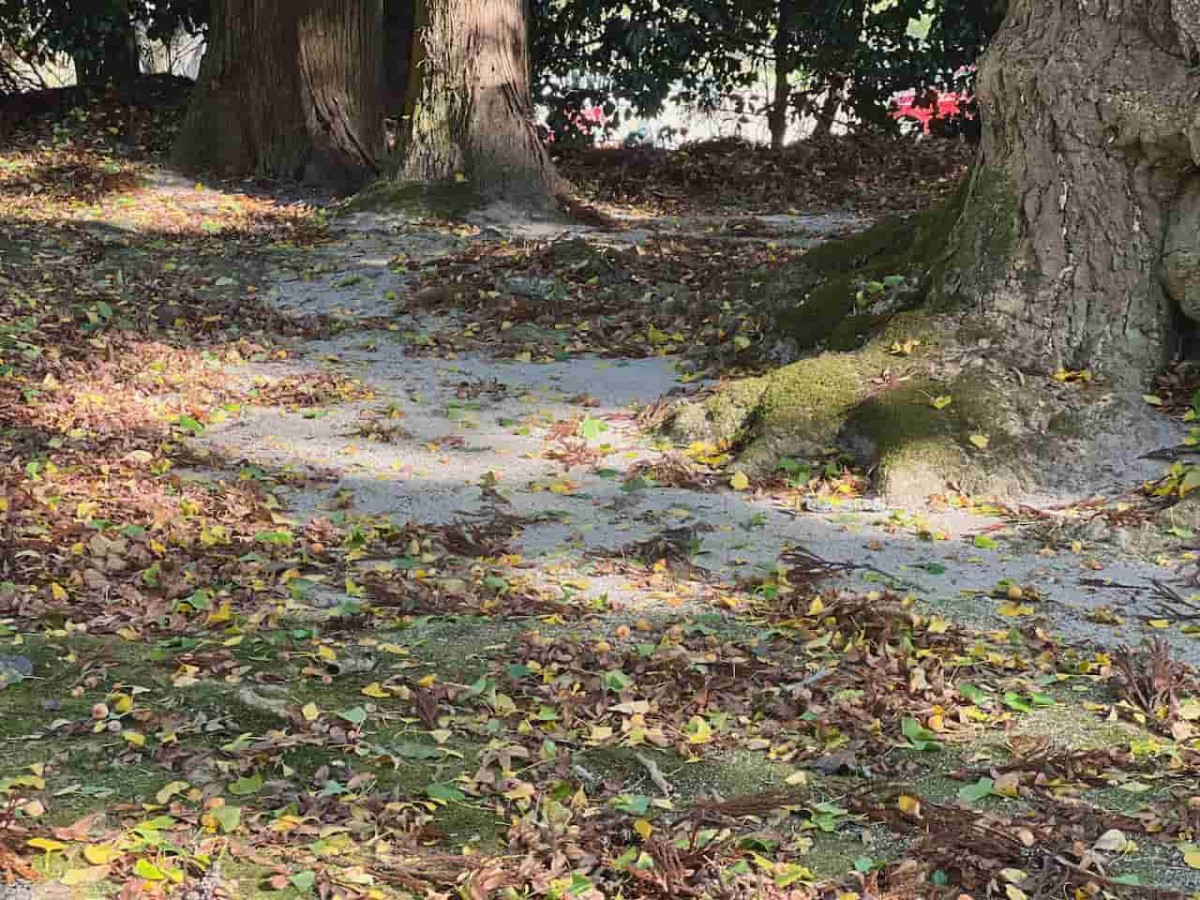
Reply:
x=217, y=696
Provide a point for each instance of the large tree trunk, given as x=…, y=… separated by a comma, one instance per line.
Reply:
x=289, y=88
x=341, y=71
x=469, y=112
x=399, y=19
x=1080, y=236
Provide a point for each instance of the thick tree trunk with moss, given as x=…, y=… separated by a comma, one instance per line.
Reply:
x=289, y=88
x=469, y=110
x=1081, y=234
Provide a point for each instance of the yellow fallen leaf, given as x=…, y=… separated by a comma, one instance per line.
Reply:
x=85, y=875
x=375, y=689
x=739, y=481
x=698, y=731
x=222, y=614
x=643, y=828
x=1159, y=623
x=310, y=712
x=1192, y=858
x=134, y=738
x=979, y=441
x=58, y=592
x=909, y=805
x=169, y=791
x=46, y=844
x=100, y=854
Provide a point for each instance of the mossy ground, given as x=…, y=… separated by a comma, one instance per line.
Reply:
x=838, y=293
x=436, y=200
x=877, y=315
x=873, y=402
x=96, y=769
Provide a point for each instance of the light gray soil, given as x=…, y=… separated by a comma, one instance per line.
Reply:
x=473, y=419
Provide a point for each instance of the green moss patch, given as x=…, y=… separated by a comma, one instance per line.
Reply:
x=864, y=393
x=438, y=200
x=838, y=293
x=918, y=445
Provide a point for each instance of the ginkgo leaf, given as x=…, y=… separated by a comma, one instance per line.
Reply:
x=85, y=875
x=170, y=790
x=100, y=854
x=739, y=481
x=46, y=844
x=698, y=730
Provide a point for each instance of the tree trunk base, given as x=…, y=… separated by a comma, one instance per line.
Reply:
x=1080, y=238
x=469, y=115
x=321, y=121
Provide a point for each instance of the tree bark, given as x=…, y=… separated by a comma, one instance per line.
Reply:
x=116, y=57
x=399, y=19
x=1080, y=234
x=826, y=116
x=341, y=73
x=469, y=113
x=777, y=118
x=289, y=88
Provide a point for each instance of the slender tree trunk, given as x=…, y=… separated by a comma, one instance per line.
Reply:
x=115, y=57
x=289, y=88
x=469, y=113
x=785, y=28
x=1080, y=236
x=827, y=114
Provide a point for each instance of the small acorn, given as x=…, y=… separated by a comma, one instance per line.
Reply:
x=1015, y=592
x=100, y=711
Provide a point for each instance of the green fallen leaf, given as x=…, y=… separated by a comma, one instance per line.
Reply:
x=248, y=785
x=973, y=793
x=919, y=737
